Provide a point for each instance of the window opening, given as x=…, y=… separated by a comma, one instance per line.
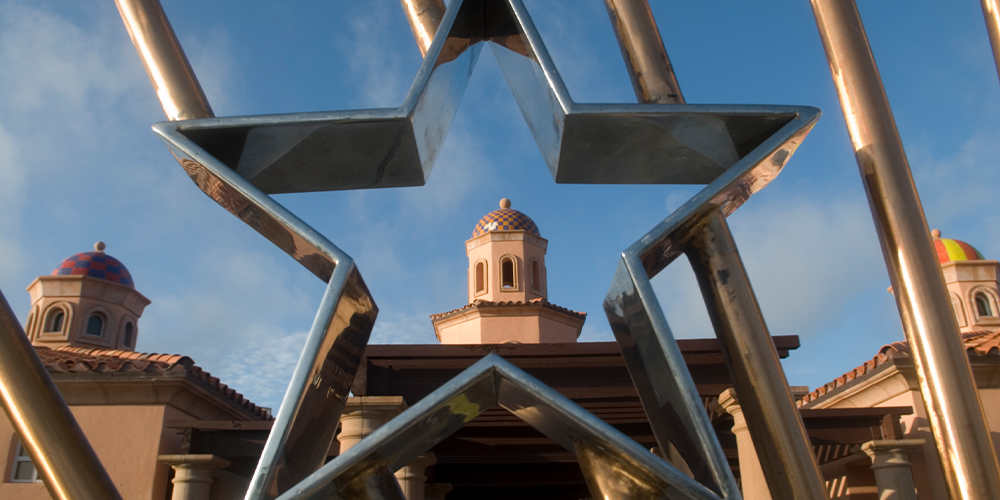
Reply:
x=983, y=305
x=507, y=273
x=95, y=325
x=129, y=334
x=536, y=275
x=56, y=321
x=480, y=277
x=21, y=469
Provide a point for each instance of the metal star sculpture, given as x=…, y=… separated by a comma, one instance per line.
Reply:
x=240, y=161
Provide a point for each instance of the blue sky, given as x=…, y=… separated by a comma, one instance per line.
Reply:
x=78, y=163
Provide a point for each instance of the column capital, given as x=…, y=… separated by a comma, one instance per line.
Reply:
x=891, y=452
x=728, y=402
x=192, y=461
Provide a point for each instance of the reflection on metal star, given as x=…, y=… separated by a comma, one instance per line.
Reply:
x=240, y=161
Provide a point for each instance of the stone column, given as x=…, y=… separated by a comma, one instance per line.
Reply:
x=890, y=461
x=193, y=474
x=751, y=474
x=412, y=478
x=362, y=415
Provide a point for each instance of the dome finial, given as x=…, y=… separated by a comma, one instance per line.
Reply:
x=99, y=246
x=935, y=233
x=504, y=203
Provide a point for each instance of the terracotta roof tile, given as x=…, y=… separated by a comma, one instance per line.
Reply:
x=68, y=359
x=539, y=302
x=979, y=343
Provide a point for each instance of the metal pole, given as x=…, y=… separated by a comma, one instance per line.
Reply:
x=642, y=49
x=772, y=418
x=43, y=421
x=424, y=17
x=991, y=11
x=775, y=424
x=173, y=79
x=946, y=384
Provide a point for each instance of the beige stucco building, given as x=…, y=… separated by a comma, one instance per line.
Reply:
x=508, y=288
x=84, y=324
x=890, y=380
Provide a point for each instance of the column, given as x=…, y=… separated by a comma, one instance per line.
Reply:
x=890, y=461
x=412, y=478
x=362, y=415
x=751, y=474
x=193, y=474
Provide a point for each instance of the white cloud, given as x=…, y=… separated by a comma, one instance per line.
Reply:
x=806, y=260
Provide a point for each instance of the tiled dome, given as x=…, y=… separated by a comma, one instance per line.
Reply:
x=96, y=264
x=949, y=250
x=505, y=219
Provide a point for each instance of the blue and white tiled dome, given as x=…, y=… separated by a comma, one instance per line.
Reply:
x=505, y=219
x=96, y=264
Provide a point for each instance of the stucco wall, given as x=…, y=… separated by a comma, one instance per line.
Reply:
x=127, y=439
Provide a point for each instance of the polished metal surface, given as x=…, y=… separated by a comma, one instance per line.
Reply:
x=611, y=478
x=773, y=418
x=56, y=444
x=240, y=161
x=668, y=393
x=779, y=435
x=494, y=381
x=166, y=65
x=991, y=11
x=642, y=49
x=424, y=17
x=306, y=422
x=950, y=397
x=581, y=143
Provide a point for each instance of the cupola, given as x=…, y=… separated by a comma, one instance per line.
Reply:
x=90, y=300
x=508, y=291
x=972, y=283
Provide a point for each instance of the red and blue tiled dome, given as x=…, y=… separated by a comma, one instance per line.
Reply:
x=949, y=250
x=505, y=219
x=96, y=264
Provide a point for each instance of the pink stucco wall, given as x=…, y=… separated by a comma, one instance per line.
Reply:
x=127, y=439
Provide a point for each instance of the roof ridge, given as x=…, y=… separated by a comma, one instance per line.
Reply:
x=66, y=359
x=975, y=345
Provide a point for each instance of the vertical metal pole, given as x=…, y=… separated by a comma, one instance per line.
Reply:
x=946, y=384
x=173, y=79
x=991, y=11
x=772, y=418
x=424, y=17
x=43, y=421
x=642, y=49
x=775, y=424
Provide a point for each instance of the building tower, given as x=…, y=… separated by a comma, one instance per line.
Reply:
x=972, y=284
x=88, y=301
x=508, y=293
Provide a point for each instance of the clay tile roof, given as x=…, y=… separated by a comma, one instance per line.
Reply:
x=977, y=344
x=68, y=359
x=539, y=302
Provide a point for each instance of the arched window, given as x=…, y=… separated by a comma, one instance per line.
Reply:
x=983, y=305
x=21, y=469
x=95, y=325
x=129, y=340
x=508, y=273
x=956, y=304
x=29, y=326
x=55, y=321
x=536, y=276
x=480, y=277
